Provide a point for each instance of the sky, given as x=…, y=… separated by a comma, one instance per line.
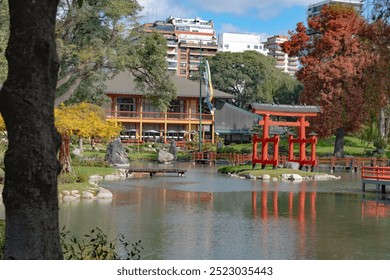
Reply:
x=263, y=17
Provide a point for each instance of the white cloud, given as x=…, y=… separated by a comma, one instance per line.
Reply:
x=161, y=9
x=228, y=27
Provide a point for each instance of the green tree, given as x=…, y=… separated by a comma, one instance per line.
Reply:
x=252, y=77
x=377, y=76
x=102, y=38
x=4, y=32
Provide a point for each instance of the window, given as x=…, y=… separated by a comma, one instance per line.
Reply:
x=176, y=106
x=226, y=46
x=125, y=105
x=248, y=46
x=256, y=47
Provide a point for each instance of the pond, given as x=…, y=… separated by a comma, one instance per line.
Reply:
x=207, y=215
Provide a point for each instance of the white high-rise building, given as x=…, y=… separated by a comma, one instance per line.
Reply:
x=188, y=40
x=239, y=42
x=284, y=62
x=315, y=9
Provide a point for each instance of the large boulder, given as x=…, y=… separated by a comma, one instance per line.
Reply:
x=292, y=165
x=116, y=153
x=173, y=150
x=165, y=157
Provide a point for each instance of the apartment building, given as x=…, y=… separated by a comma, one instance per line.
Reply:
x=188, y=40
x=284, y=62
x=239, y=42
x=315, y=9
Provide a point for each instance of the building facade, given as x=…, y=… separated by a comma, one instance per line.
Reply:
x=284, y=62
x=143, y=122
x=240, y=42
x=315, y=9
x=188, y=40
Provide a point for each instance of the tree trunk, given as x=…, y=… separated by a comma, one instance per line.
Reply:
x=81, y=144
x=339, y=143
x=382, y=123
x=65, y=154
x=27, y=105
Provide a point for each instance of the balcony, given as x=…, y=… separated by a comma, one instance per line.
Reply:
x=157, y=117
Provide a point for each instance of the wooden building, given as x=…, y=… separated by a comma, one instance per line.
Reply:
x=144, y=122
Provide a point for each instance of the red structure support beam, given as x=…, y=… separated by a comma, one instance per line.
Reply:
x=268, y=110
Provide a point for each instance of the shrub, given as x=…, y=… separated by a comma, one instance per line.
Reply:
x=229, y=150
x=2, y=238
x=91, y=162
x=246, y=150
x=96, y=246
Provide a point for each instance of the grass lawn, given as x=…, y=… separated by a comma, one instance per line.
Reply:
x=84, y=172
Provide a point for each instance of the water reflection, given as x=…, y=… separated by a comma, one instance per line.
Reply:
x=206, y=215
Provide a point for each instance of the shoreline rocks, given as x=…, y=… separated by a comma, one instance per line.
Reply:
x=287, y=177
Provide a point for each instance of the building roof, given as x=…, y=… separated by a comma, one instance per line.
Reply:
x=123, y=83
x=286, y=108
x=232, y=119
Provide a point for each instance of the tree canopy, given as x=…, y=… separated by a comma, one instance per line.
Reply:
x=333, y=67
x=85, y=120
x=101, y=38
x=4, y=33
x=252, y=77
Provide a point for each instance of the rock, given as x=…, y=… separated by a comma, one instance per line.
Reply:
x=104, y=194
x=296, y=177
x=95, y=177
x=87, y=195
x=164, y=156
x=74, y=192
x=173, y=150
x=292, y=177
x=111, y=177
x=251, y=177
x=292, y=165
x=320, y=177
x=93, y=184
x=266, y=177
x=69, y=198
x=116, y=154
x=275, y=179
x=76, y=152
x=65, y=192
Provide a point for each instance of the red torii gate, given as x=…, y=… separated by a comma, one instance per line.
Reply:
x=301, y=112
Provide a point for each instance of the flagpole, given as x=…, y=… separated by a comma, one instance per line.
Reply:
x=200, y=97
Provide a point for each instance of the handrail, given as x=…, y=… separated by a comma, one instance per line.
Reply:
x=155, y=115
x=376, y=172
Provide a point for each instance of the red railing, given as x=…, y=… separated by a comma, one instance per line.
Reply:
x=213, y=157
x=157, y=115
x=376, y=173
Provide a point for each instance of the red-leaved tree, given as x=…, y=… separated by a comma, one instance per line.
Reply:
x=333, y=59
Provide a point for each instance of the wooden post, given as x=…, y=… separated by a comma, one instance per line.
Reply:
x=290, y=148
x=264, y=146
x=302, y=142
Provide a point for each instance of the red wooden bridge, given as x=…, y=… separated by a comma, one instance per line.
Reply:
x=376, y=175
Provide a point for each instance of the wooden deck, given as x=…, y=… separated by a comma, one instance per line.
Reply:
x=376, y=175
x=154, y=171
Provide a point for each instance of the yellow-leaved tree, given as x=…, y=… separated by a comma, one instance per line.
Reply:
x=85, y=121
x=2, y=124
